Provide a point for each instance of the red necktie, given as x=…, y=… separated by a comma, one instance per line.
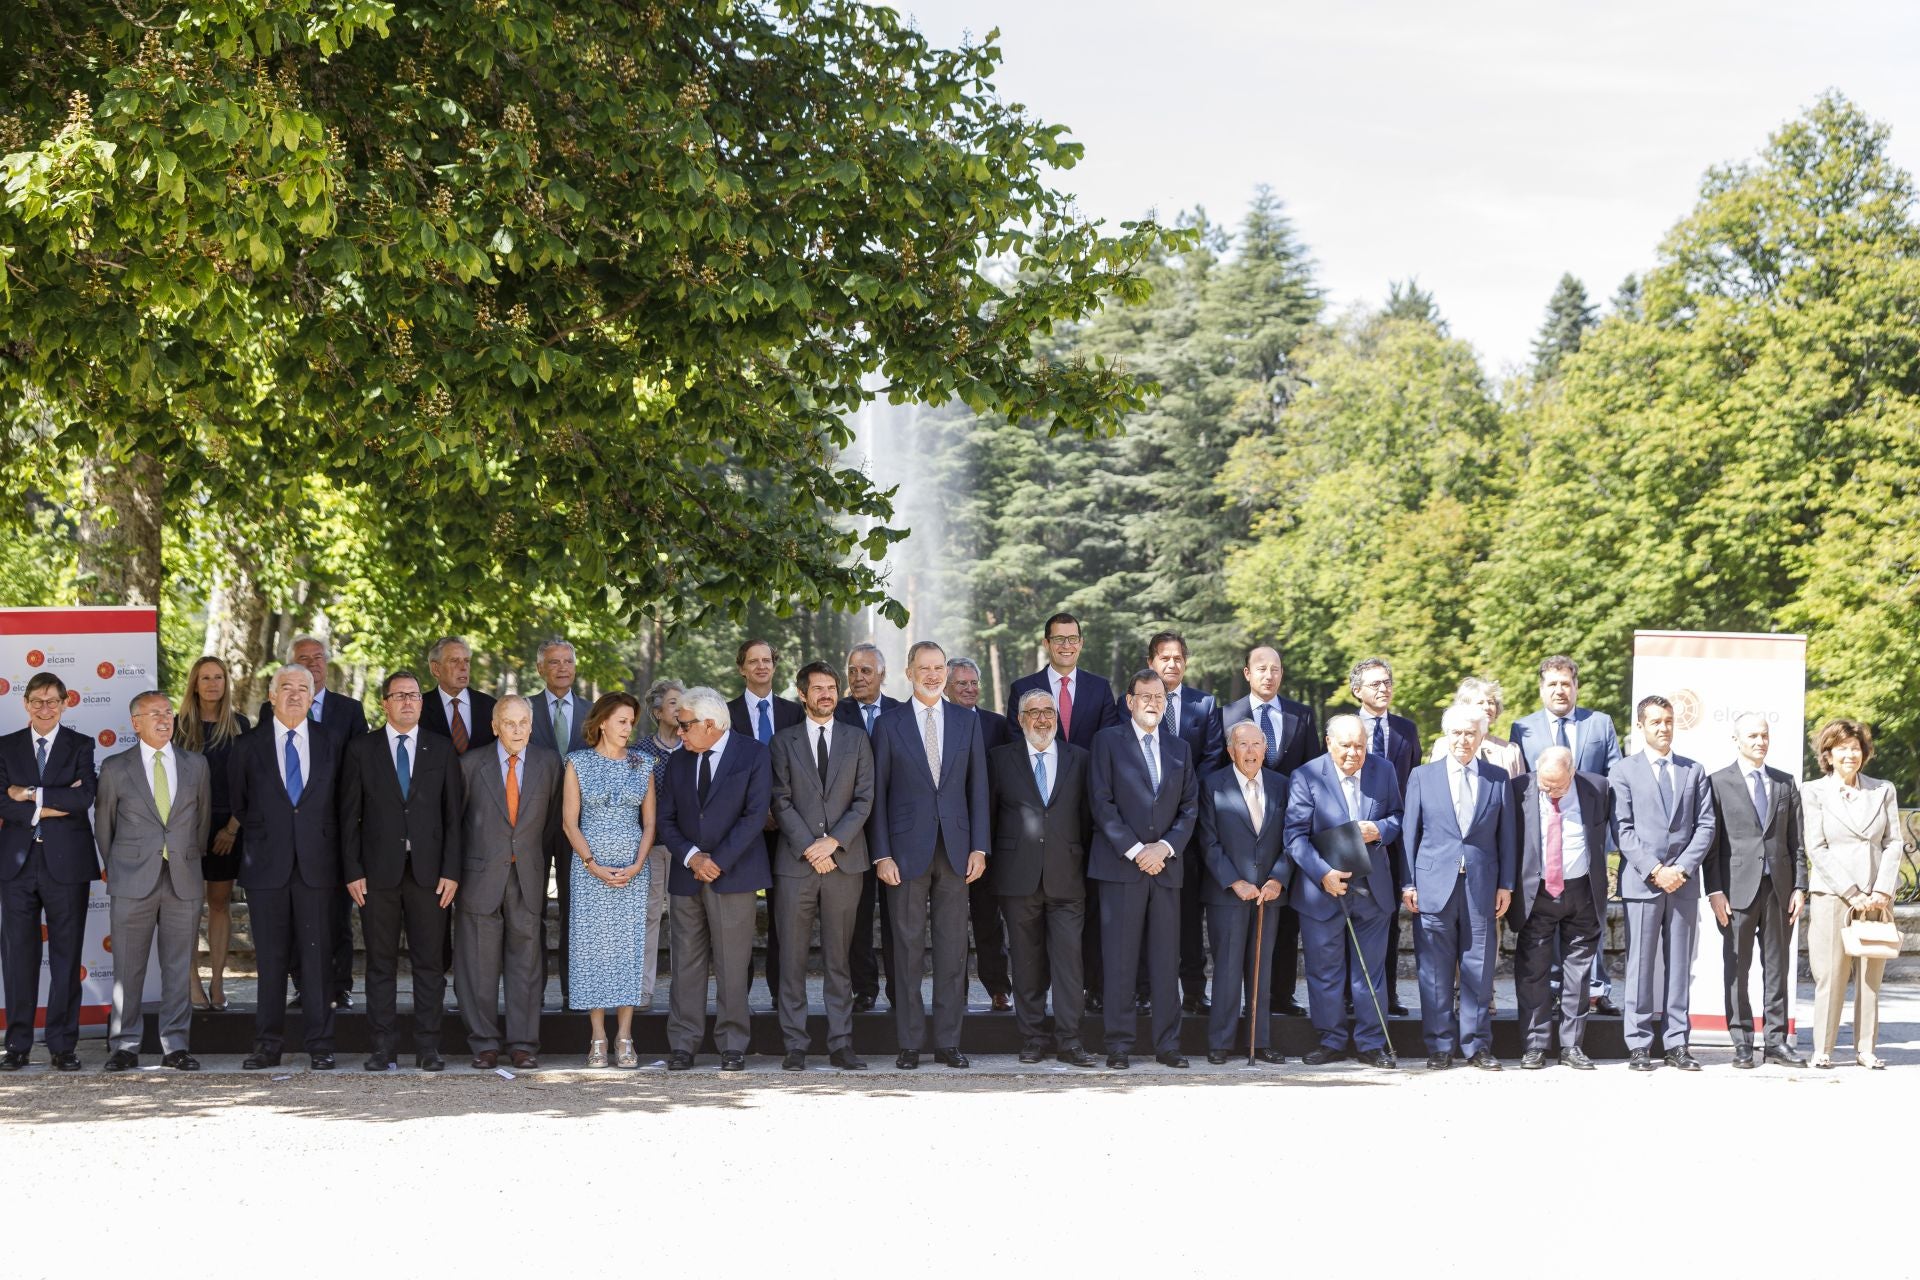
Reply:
x=1555, y=878
x=1066, y=709
x=513, y=798
x=458, y=730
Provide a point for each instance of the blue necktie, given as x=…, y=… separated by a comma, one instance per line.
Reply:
x=765, y=730
x=1559, y=731
x=1153, y=766
x=1266, y=727
x=40, y=755
x=1664, y=784
x=1759, y=798
x=871, y=710
x=1173, y=713
x=401, y=766
x=294, y=784
x=1040, y=776
x=1380, y=736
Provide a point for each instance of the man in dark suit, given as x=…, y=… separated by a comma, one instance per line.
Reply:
x=1663, y=825
x=283, y=780
x=1243, y=810
x=1145, y=798
x=822, y=796
x=929, y=840
x=48, y=863
x=559, y=724
x=866, y=669
x=1041, y=826
x=1345, y=785
x=457, y=712
x=983, y=904
x=1759, y=849
x=1560, y=899
x=714, y=798
x=1085, y=705
x=1292, y=740
x=759, y=714
x=1461, y=844
x=1194, y=718
x=1396, y=740
x=1561, y=721
x=401, y=801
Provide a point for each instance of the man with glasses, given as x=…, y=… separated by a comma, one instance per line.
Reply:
x=48, y=861
x=1395, y=740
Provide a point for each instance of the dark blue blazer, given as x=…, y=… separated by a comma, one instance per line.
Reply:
x=1315, y=804
x=1299, y=739
x=784, y=712
x=1127, y=811
x=1435, y=845
x=1227, y=841
x=730, y=828
x=910, y=813
x=848, y=711
x=1200, y=727
x=67, y=842
x=1403, y=745
x=280, y=836
x=1093, y=704
x=995, y=729
x=1596, y=742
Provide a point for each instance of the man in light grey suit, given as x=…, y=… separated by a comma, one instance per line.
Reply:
x=1663, y=824
x=151, y=816
x=822, y=794
x=512, y=816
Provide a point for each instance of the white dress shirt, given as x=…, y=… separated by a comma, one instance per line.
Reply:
x=413, y=749
x=448, y=701
x=1149, y=741
x=1052, y=758
x=168, y=763
x=1573, y=734
x=939, y=726
x=817, y=732
x=1255, y=792
x=713, y=765
x=1573, y=835
x=300, y=749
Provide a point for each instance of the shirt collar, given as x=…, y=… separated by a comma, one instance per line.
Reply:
x=500, y=750
x=393, y=736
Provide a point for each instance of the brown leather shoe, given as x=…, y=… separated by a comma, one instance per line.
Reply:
x=524, y=1061
x=486, y=1060
x=1002, y=1003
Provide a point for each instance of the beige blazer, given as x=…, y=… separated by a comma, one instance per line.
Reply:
x=1853, y=836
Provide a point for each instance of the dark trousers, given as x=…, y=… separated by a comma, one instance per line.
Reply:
x=940, y=894
x=829, y=899
x=386, y=911
x=1567, y=925
x=989, y=938
x=23, y=901
x=1043, y=936
x=339, y=952
x=1235, y=928
x=865, y=960
x=1193, y=946
x=1455, y=944
x=1093, y=961
x=1334, y=978
x=1285, y=924
x=1141, y=917
x=292, y=928
x=772, y=969
x=1766, y=921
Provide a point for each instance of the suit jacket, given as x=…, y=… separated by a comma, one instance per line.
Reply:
x=729, y=828
x=283, y=838
x=785, y=712
x=493, y=849
x=1403, y=745
x=130, y=835
x=1744, y=849
x=69, y=783
x=1436, y=846
x=1128, y=811
x=912, y=813
x=1201, y=728
x=1596, y=803
x=848, y=711
x=1228, y=844
x=340, y=715
x=1039, y=846
x=1299, y=739
x=807, y=808
x=1094, y=707
x=479, y=717
x=1647, y=837
x=577, y=708
x=1853, y=845
x=1314, y=803
x=995, y=729
x=383, y=836
x=1596, y=746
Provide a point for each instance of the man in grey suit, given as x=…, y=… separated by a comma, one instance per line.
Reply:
x=822, y=794
x=559, y=718
x=1663, y=824
x=150, y=819
x=1759, y=849
x=511, y=819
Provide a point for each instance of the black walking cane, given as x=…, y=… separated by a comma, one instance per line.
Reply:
x=1368, y=977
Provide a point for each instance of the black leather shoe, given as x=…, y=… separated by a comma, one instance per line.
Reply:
x=1074, y=1054
x=679, y=1060
x=1382, y=1059
x=1605, y=1007
x=1577, y=1058
x=1095, y=1004
x=1485, y=1060
x=121, y=1060
x=1142, y=1006
x=1680, y=1060
x=1196, y=1004
x=259, y=1060
x=1533, y=1060
x=343, y=999
x=1290, y=1008
x=321, y=1062
x=908, y=1060
x=733, y=1060
x=951, y=1058
x=11, y=1061
x=1784, y=1056
x=1439, y=1061
x=846, y=1060
x=1170, y=1060
x=1639, y=1060
x=1032, y=1053
x=1269, y=1056
x=1118, y=1062
x=1217, y=1057
x=1743, y=1058
x=794, y=1061
x=1321, y=1057
x=68, y=1061
x=380, y=1062
x=430, y=1062
x=181, y=1060
x=863, y=1004
x=1398, y=1010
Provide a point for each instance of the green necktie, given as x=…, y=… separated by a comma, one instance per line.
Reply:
x=161, y=799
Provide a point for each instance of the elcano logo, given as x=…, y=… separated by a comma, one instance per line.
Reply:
x=108, y=737
x=73, y=697
x=104, y=671
x=1687, y=708
x=35, y=658
x=6, y=686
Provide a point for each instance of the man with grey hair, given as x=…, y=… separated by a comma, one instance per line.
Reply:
x=866, y=669
x=1559, y=900
x=559, y=724
x=461, y=714
x=1395, y=740
x=983, y=905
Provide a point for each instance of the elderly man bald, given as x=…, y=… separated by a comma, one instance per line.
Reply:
x=1559, y=899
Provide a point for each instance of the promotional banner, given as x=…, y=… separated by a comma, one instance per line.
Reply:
x=1713, y=678
x=104, y=656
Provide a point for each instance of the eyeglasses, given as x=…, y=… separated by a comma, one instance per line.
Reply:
x=46, y=704
x=1038, y=713
x=684, y=724
x=1151, y=699
x=1068, y=641
x=402, y=697
x=1378, y=684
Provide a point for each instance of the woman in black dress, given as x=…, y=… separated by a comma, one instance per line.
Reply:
x=210, y=725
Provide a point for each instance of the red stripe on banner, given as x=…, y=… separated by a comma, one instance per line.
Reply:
x=137, y=620
x=1717, y=1022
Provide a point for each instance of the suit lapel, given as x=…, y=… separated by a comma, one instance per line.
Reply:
x=495, y=785
x=1483, y=795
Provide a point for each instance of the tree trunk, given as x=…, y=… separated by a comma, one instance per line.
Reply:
x=237, y=618
x=120, y=518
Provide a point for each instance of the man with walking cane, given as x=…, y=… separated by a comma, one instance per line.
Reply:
x=1242, y=821
x=1340, y=908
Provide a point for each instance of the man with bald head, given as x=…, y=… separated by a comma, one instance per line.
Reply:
x=1242, y=841
x=1559, y=900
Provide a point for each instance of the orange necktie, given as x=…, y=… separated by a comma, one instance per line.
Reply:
x=513, y=798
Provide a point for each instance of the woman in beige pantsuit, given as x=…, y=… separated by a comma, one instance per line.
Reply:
x=1853, y=863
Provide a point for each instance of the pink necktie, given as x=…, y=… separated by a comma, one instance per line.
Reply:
x=1066, y=710
x=1556, y=875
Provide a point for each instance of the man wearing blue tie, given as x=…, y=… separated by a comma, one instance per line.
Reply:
x=866, y=671
x=1396, y=740
x=759, y=714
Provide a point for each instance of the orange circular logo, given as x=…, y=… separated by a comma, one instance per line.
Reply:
x=35, y=658
x=6, y=686
x=73, y=697
x=1687, y=708
x=83, y=973
x=108, y=737
x=104, y=671
x=106, y=944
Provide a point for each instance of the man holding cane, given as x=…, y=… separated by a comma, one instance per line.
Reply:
x=1242, y=820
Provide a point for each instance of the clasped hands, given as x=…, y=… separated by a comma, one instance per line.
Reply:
x=1152, y=858
x=1668, y=878
x=1268, y=892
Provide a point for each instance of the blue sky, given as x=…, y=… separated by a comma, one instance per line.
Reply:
x=1483, y=147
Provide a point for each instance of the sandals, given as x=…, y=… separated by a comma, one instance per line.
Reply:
x=624, y=1055
x=597, y=1053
